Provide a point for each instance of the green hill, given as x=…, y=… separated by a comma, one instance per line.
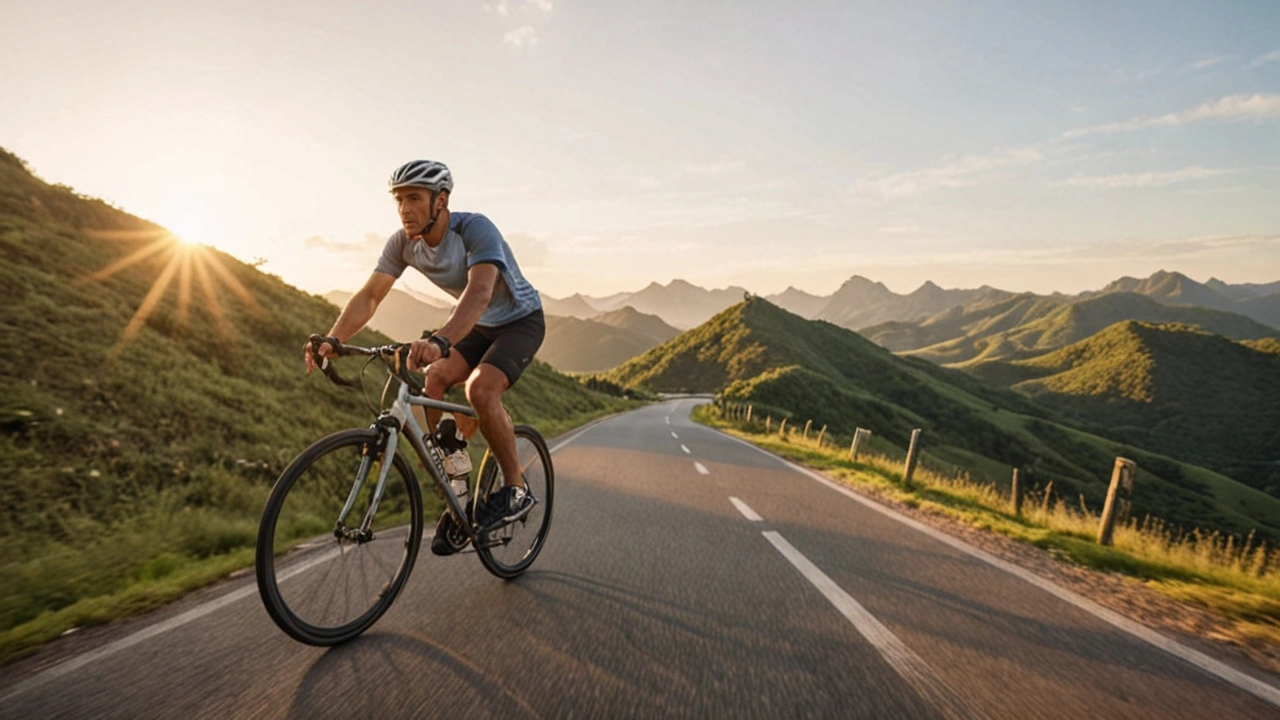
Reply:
x=787, y=366
x=1029, y=325
x=974, y=321
x=1172, y=388
x=153, y=392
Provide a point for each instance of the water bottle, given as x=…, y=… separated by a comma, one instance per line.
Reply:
x=457, y=463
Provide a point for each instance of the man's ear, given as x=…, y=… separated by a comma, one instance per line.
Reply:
x=442, y=202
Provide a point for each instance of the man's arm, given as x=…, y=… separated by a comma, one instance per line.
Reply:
x=362, y=305
x=481, y=281
x=355, y=315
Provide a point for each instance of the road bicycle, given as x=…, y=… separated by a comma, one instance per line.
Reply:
x=343, y=524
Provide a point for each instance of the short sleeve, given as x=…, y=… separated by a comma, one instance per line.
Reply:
x=483, y=242
x=392, y=260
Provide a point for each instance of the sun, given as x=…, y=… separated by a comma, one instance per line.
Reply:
x=190, y=229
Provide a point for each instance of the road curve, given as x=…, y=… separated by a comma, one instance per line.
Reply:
x=687, y=574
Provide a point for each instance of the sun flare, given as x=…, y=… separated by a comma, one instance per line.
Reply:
x=185, y=258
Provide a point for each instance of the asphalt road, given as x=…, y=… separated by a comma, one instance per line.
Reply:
x=687, y=574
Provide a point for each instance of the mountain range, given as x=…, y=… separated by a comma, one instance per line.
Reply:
x=863, y=304
x=1024, y=325
x=787, y=366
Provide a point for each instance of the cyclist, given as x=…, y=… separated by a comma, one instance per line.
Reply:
x=490, y=338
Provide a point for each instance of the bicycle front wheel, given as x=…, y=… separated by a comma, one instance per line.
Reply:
x=509, y=550
x=325, y=577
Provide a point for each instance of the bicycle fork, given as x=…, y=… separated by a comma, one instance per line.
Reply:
x=365, y=532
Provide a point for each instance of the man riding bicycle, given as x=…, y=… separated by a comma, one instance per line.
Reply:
x=490, y=338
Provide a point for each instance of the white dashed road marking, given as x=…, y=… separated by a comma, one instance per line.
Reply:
x=910, y=666
x=746, y=511
x=1245, y=682
x=702, y=468
x=685, y=449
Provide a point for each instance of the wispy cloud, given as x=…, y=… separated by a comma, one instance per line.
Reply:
x=502, y=8
x=1232, y=108
x=543, y=5
x=532, y=251
x=522, y=37
x=1147, y=179
x=1208, y=62
x=959, y=173
x=371, y=242
x=1273, y=56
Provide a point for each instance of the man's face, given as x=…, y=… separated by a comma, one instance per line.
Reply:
x=414, y=206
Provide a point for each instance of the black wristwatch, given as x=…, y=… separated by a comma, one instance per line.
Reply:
x=442, y=343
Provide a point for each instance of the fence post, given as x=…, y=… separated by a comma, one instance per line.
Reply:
x=1048, y=497
x=749, y=407
x=782, y=428
x=1118, y=497
x=912, y=451
x=768, y=423
x=1016, y=493
x=821, y=432
x=860, y=436
x=807, y=423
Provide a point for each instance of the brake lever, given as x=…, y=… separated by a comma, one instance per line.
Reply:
x=325, y=366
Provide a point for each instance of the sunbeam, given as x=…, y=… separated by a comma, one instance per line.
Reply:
x=184, y=261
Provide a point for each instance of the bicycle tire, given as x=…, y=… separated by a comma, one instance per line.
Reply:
x=315, y=584
x=509, y=550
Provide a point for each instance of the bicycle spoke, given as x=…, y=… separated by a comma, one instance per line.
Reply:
x=343, y=591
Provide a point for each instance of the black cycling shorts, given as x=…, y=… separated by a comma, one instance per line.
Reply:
x=509, y=347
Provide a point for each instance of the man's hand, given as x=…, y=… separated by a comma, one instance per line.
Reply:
x=422, y=353
x=325, y=350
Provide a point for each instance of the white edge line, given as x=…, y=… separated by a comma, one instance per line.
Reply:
x=1242, y=680
x=901, y=658
x=195, y=613
x=685, y=448
x=746, y=510
x=701, y=468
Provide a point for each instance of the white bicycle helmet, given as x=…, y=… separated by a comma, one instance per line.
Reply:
x=422, y=173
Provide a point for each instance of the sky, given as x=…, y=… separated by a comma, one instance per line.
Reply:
x=1028, y=146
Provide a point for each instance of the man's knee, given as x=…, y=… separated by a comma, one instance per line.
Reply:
x=486, y=386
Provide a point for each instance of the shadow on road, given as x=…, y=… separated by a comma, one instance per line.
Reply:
x=393, y=675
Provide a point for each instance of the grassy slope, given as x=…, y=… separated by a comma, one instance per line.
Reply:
x=1172, y=388
x=789, y=367
x=1044, y=324
x=133, y=471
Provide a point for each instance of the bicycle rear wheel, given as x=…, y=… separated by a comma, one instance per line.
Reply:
x=322, y=583
x=509, y=550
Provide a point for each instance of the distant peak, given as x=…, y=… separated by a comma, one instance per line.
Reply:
x=680, y=283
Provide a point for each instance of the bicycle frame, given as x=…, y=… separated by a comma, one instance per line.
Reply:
x=393, y=421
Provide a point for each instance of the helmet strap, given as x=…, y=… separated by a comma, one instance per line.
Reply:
x=432, y=221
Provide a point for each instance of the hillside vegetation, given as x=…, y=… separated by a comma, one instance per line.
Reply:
x=154, y=390
x=786, y=366
x=1029, y=325
x=1176, y=389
